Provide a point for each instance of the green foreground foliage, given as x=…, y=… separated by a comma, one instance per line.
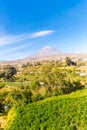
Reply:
x=67, y=112
x=23, y=88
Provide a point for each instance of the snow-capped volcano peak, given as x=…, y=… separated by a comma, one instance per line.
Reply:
x=47, y=51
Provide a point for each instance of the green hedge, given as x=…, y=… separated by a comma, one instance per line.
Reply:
x=56, y=113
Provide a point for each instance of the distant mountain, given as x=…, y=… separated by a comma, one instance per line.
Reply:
x=47, y=53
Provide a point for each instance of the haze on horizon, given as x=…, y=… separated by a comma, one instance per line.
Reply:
x=26, y=26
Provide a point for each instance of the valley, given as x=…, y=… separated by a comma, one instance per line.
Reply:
x=43, y=89
x=43, y=64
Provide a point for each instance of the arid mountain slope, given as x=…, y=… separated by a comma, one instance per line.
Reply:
x=46, y=53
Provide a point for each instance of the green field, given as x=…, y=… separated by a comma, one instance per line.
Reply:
x=68, y=112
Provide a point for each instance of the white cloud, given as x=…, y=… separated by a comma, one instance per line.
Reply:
x=13, y=49
x=9, y=39
x=41, y=33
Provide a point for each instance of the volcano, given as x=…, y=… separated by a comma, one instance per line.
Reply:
x=47, y=52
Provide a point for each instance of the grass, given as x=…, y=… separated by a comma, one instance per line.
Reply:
x=16, y=84
x=67, y=112
x=13, y=84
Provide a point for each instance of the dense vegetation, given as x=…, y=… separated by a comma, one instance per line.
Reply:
x=57, y=113
x=36, y=82
x=25, y=85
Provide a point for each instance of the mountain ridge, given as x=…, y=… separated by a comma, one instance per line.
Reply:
x=47, y=53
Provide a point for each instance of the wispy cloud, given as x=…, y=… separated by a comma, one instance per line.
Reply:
x=13, y=49
x=41, y=33
x=9, y=39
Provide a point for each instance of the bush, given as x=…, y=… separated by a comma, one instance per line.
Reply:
x=1, y=108
x=55, y=113
x=2, y=85
x=71, y=86
x=36, y=97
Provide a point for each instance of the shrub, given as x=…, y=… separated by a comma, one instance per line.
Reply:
x=2, y=85
x=63, y=113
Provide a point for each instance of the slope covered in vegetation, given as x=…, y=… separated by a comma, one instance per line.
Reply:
x=37, y=81
x=25, y=92
x=67, y=112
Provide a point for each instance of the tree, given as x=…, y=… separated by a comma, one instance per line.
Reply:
x=1, y=108
x=69, y=62
x=9, y=71
x=27, y=96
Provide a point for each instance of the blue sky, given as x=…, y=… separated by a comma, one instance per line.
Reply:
x=28, y=25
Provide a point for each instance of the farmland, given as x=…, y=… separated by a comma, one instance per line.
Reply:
x=47, y=92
